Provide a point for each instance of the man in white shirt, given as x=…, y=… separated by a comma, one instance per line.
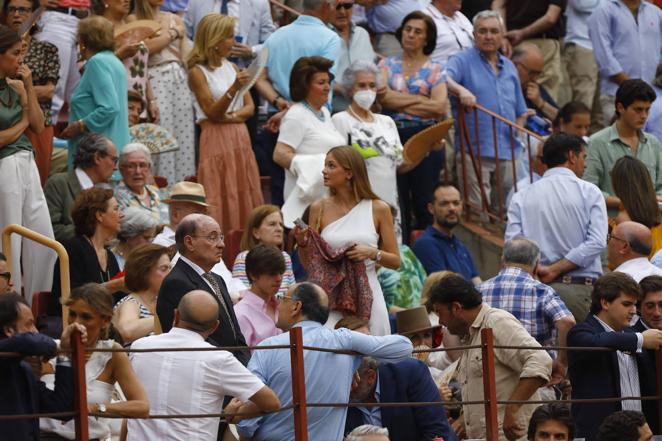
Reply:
x=454, y=31
x=628, y=247
x=189, y=382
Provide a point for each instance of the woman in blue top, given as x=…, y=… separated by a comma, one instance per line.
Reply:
x=415, y=95
x=100, y=101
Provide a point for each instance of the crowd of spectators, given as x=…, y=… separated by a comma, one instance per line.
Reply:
x=222, y=172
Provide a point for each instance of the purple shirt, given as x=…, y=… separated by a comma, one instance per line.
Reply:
x=255, y=324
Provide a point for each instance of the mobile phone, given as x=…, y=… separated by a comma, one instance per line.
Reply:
x=300, y=223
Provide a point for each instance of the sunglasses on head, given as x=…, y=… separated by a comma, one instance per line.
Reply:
x=340, y=6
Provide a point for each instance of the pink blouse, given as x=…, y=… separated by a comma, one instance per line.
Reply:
x=255, y=324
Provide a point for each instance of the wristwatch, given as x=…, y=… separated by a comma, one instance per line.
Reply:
x=102, y=407
x=378, y=256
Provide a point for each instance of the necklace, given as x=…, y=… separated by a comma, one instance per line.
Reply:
x=356, y=115
x=319, y=115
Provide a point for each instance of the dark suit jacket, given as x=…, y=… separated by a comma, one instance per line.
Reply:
x=60, y=191
x=648, y=382
x=183, y=279
x=21, y=392
x=403, y=382
x=596, y=374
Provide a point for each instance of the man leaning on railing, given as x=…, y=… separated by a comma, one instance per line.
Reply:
x=20, y=390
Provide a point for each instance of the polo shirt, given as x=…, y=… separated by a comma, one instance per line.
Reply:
x=606, y=147
x=439, y=252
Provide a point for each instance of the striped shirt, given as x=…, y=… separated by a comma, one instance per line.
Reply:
x=239, y=272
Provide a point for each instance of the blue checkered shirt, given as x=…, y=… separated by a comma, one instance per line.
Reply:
x=536, y=305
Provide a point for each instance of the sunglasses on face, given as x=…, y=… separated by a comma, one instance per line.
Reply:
x=6, y=276
x=340, y=6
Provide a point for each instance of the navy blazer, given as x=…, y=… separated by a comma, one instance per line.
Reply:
x=21, y=392
x=403, y=382
x=648, y=382
x=596, y=374
x=183, y=279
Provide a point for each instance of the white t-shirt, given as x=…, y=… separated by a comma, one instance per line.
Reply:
x=307, y=135
x=382, y=136
x=186, y=383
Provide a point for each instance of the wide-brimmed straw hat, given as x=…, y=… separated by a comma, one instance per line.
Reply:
x=413, y=320
x=188, y=192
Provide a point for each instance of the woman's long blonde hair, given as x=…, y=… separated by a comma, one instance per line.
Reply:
x=213, y=29
x=144, y=11
x=351, y=160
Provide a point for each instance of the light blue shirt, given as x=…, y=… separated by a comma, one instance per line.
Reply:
x=621, y=44
x=657, y=259
x=522, y=184
x=304, y=37
x=501, y=93
x=373, y=415
x=328, y=379
x=577, y=13
x=388, y=17
x=566, y=216
x=359, y=48
x=654, y=122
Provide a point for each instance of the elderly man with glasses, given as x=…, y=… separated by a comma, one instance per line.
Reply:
x=133, y=190
x=628, y=247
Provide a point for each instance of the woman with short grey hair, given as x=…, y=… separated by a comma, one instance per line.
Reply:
x=375, y=433
x=133, y=191
x=375, y=136
x=136, y=227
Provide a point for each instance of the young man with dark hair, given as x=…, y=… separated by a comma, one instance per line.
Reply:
x=438, y=249
x=626, y=425
x=625, y=137
x=257, y=312
x=621, y=373
x=20, y=391
x=567, y=218
x=551, y=422
x=520, y=373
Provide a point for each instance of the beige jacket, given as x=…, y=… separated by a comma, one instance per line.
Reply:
x=510, y=366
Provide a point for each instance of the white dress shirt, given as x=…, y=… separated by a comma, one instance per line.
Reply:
x=186, y=383
x=629, y=372
x=454, y=34
x=639, y=268
x=565, y=216
x=83, y=179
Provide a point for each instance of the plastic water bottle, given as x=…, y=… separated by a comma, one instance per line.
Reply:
x=538, y=125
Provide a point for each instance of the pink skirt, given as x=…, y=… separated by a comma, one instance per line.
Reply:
x=228, y=171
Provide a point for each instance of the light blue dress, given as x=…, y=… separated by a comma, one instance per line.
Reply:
x=101, y=101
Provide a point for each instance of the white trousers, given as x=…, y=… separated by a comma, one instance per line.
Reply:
x=60, y=29
x=22, y=202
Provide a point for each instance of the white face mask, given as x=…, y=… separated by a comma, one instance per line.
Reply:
x=365, y=98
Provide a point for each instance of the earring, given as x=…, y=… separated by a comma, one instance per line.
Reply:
x=106, y=5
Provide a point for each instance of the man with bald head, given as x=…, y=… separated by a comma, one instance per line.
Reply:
x=200, y=243
x=192, y=382
x=530, y=63
x=328, y=376
x=628, y=247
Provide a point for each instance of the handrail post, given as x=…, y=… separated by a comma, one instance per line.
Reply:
x=80, y=387
x=658, y=371
x=489, y=385
x=298, y=385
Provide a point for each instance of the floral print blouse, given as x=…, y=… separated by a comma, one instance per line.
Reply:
x=42, y=59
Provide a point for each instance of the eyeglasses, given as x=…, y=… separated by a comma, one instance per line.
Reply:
x=115, y=159
x=213, y=237
x=6, y=276
x=610, y=236
x=21, y=10
x=136, y=166
x=340, y=6
x=530, y=72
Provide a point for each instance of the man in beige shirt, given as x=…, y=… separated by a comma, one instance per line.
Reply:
x=518, y=372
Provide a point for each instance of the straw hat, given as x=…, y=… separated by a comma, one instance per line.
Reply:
x=419, y=145
x=188, y=192
x=413, y=320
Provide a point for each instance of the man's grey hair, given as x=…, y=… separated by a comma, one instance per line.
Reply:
x=86, y=149
x=135, y=147
x=364, y=430
x=135, y=221
x=484, y=15
x=313, y=5
x=521, y=251
x=349, y=76
x=368, y=363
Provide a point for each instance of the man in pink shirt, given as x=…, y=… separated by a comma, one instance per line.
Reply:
x=257, y=311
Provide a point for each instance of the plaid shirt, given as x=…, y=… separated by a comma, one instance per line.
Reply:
x=157, y=209
x=536, y=305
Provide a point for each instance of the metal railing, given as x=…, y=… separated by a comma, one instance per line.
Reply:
x=299, y=404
